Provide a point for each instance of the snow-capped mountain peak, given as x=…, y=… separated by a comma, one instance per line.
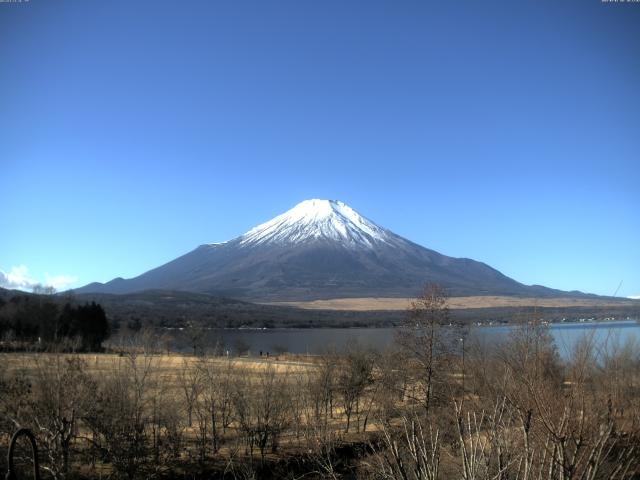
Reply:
x=318, y=220
x=319, y=249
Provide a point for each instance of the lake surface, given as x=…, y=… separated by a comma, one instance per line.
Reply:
x=319, y=340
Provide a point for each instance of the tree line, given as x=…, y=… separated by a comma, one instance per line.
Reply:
x=44, y=319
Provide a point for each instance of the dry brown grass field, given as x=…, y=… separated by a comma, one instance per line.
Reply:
x=168, y=365
x=382, y=303
x=178, y=384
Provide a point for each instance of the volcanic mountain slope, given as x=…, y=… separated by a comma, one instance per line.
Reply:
x=320, y=249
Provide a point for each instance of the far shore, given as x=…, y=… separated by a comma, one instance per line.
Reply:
x=455, y=303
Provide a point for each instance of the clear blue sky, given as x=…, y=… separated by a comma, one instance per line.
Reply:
x=507, y=132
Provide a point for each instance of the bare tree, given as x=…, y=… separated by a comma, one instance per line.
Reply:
x=62, y=394
x=262, y=409
x=354, y=376
x=218, y=378
x=411, y=452
x=190, y=382
x=120, y=417
x=421, y=339
x=196, y=336
x=321, y=440
x=322, y=386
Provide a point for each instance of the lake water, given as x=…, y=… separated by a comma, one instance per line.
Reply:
x=319, y=340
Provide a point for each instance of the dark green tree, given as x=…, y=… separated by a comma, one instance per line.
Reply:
x=88, y=322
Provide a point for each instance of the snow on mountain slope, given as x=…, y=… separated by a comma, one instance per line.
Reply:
x=314, y=220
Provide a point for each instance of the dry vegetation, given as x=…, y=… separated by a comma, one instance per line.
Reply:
x=488, y=301
x=434, y=408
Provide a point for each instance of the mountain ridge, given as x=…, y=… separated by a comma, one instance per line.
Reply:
x=320, y=249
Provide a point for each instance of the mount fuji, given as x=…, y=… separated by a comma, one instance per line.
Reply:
x=320, y=249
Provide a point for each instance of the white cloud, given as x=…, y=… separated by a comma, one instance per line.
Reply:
x=59, y=282
x=18, y=278
x=634, y=297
